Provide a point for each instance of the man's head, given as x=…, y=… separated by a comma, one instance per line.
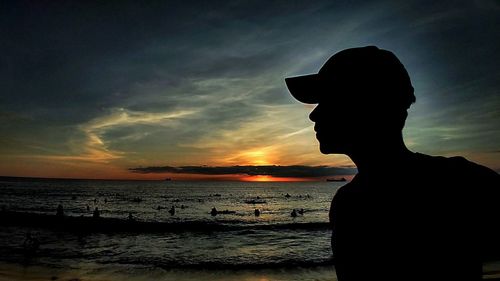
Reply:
x=362, y=94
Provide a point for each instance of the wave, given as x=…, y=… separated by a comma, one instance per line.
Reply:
x=226, y=265
x=83, y=224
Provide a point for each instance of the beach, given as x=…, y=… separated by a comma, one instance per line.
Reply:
x=10, y=272
x=154, y=244
x=16, y=272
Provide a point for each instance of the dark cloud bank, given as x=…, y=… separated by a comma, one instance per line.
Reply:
x=271, y=170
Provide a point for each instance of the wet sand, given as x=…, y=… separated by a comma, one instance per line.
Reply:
x=491, y=271
x=94, y=272
x=14, y=272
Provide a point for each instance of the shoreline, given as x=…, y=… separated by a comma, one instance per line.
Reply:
x=97, y=272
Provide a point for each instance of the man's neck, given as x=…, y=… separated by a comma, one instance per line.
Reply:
x=376, y=161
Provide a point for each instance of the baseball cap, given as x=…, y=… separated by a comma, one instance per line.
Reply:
x=367, y=75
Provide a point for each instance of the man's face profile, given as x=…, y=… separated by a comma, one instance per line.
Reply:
x=362, y=94
x=334, y=127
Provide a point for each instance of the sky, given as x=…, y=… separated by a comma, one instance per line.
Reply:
x=195, y=89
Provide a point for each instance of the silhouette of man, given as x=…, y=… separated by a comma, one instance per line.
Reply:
x=405, y=215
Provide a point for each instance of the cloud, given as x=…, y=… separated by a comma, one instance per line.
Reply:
x=97, y=83
x=299, y=171
x=96, y=148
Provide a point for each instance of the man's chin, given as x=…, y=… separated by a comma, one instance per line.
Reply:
x=325, y=149
x=328, y=149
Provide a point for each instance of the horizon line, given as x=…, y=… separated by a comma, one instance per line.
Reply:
x=2, y=178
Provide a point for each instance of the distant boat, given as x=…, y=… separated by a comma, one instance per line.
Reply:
x=168, y=179
x=341, y=179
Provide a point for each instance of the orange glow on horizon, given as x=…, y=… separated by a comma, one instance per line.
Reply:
x=72, y=169
x=258, y=178
x=232, y=177
x=266, y=178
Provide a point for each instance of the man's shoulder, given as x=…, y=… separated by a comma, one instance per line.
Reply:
x=346, y=191
x=457, y=165
x=342, y=198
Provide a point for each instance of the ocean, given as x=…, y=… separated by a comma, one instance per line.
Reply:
x=136, y=235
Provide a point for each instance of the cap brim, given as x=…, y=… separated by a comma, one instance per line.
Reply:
x=305, y=88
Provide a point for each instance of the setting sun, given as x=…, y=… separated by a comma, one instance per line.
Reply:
x=259, y=178
x=256, y=157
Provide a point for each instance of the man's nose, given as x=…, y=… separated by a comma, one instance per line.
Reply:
x=313, y=116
